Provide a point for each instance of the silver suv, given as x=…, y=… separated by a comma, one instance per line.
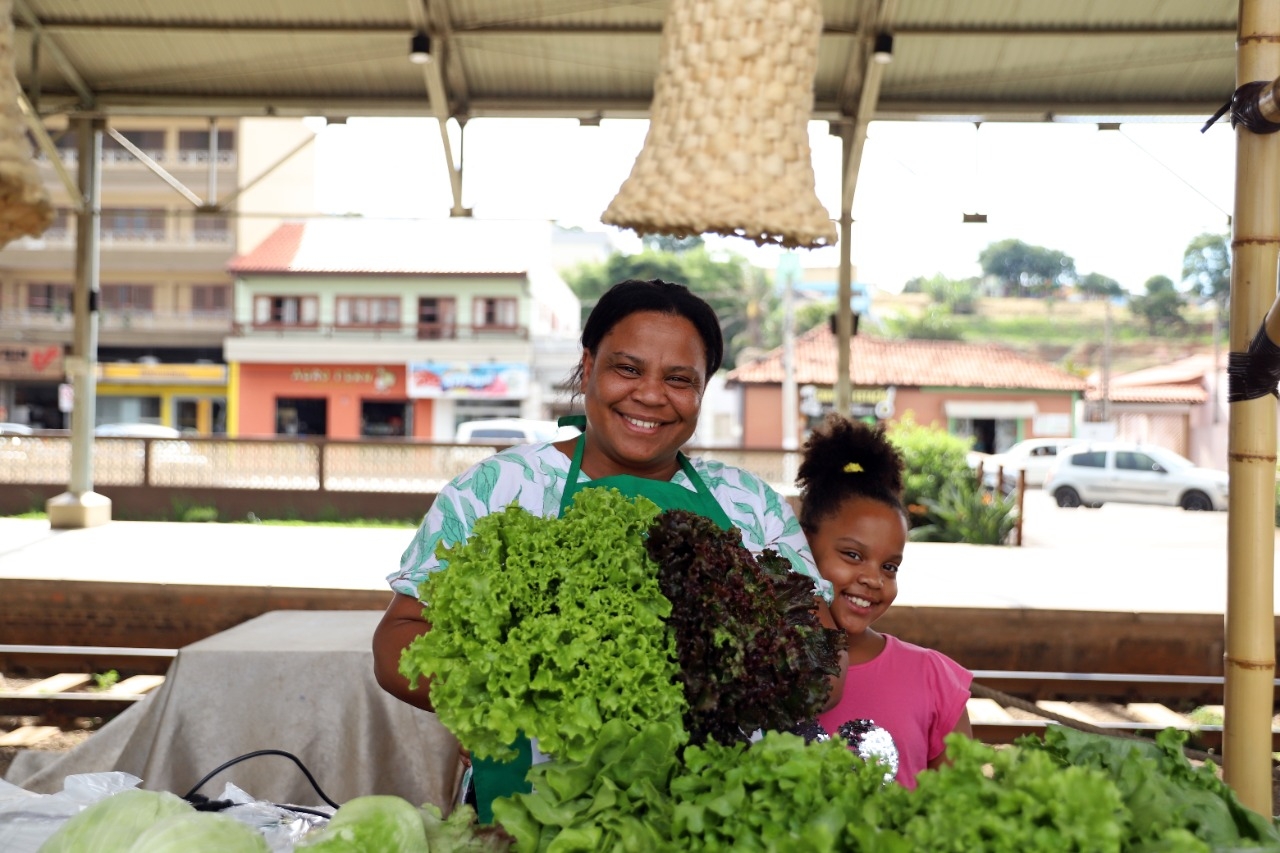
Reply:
x=1093, y=474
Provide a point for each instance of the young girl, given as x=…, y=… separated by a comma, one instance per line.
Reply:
x=851, y=510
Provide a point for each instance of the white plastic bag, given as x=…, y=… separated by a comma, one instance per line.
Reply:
x=28, y=819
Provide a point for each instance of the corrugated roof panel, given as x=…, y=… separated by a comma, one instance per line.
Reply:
x=562, y=65
x=566, y=57
x=227, y=12
x=555, y=13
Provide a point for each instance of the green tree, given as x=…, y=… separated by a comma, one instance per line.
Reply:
x=960, y=296
x=1098, y=286
x=1206, y=267
x=933, y=325
x=743, y=296
x=1027, y=270
x=1160, y=306
x=813, y=314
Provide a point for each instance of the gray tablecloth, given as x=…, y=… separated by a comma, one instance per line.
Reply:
x=299, y=681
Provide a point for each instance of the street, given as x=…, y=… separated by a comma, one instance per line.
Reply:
x=1118, y=524
x=1120, y=557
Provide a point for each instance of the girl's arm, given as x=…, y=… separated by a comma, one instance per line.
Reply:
x=963, y=726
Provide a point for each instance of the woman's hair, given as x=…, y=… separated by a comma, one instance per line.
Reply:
x=847, y=459
x=663, y=297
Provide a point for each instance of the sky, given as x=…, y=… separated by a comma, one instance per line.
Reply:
x=1123, y=203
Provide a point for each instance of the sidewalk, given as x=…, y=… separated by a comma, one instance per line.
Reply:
x=1086, y=574
x=209, y=554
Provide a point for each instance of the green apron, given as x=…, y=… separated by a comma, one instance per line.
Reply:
x=493, y=779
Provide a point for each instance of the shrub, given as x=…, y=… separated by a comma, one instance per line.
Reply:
x=966, y=512
x=187, y=511
x=932, y=457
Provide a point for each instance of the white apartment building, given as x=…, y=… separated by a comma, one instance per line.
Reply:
x=165, y=295
x=351, y=327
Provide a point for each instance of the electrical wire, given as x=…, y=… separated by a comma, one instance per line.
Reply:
x=190, y=795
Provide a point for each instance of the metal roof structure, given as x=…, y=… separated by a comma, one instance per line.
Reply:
x=1024, y=60
x=1002, y=59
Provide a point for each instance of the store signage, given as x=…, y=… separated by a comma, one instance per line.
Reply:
x=870, y=396
x=20, y=361
x=193, y=374
x=489, y=380
x=377, y=378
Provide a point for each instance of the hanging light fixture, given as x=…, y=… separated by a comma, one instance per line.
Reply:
x=883, y=53
x=420, y=48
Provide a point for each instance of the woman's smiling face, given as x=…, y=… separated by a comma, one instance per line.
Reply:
x=643, y=391
x=858, y=548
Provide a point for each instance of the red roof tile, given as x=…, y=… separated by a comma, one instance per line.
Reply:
x=910, y=363
x=1181, y=381
x=1182, y=393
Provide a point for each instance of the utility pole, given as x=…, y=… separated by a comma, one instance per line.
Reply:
x=788, y=268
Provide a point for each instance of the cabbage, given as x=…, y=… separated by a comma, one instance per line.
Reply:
x=374, y=824
x=113, y=824
x=200, y=832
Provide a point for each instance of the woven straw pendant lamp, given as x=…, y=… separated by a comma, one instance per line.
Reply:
x=25, y=209
x=728, y=144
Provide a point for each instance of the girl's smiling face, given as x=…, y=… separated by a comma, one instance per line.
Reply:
x=858, y=548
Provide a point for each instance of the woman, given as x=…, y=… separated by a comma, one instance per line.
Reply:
x=648, y=349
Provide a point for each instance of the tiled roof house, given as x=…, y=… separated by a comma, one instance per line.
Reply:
x=1180, y=405
x=991, y=392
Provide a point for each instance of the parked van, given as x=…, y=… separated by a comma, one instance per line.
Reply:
x=507, y=431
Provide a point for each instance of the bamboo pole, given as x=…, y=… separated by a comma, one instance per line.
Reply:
x=1250, y=620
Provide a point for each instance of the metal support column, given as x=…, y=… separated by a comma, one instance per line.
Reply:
x=80, y=506
x=844, y=286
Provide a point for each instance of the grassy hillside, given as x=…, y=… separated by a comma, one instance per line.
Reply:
x=1070, y=334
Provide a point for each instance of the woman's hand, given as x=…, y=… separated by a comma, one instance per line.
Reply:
x=401, y=624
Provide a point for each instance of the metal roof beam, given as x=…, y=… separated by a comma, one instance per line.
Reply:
x=76, y=24
x=481, y=30
x=155, y=167
x=69, y=71
x=499, y=105
x=441, y=28
x=51, y=152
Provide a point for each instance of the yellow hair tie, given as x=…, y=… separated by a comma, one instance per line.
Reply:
x=852, y=468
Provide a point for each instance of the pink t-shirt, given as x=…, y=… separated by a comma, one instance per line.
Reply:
x=914, y=693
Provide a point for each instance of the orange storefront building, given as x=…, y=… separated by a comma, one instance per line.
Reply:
x=333, y=400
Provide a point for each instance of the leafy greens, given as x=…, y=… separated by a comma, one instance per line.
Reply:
x=752, y=652
x=550, y=627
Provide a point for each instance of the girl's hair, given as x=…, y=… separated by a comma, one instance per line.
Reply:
x=663, y=297
x=847, y=459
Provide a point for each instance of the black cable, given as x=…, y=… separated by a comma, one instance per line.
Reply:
x=305, y=772
x=1214, y=118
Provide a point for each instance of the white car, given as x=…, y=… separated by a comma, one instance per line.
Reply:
x=1093, y=474
x=507, y=431
x=1035, y=456
x=136, y=430
x=170, y=448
